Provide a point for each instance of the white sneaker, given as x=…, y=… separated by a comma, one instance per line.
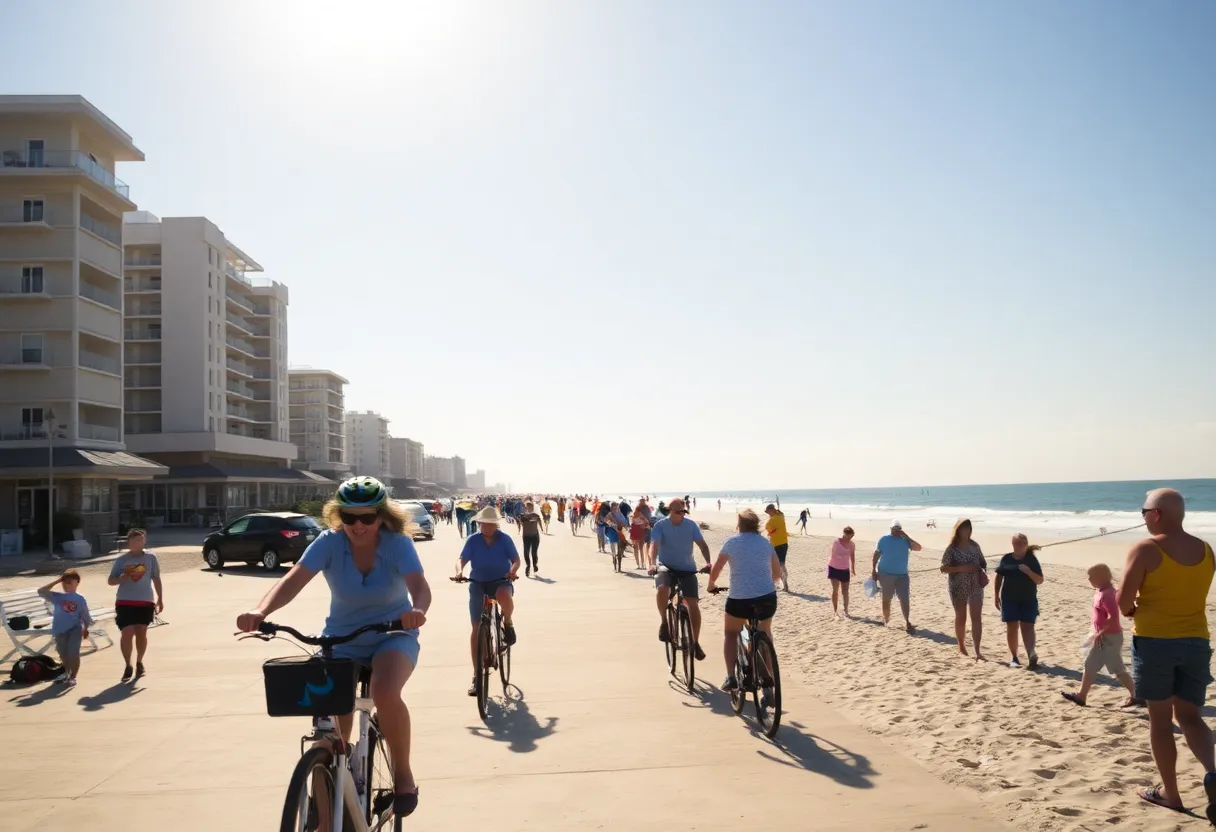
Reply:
x=70, y=683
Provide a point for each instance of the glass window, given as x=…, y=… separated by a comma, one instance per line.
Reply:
x=31, y=280
x=33, y=210
x=239, y=526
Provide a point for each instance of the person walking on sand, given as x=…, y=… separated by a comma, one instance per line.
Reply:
x=890, y=570
x=137, y=575
x=1105, y=640
x=780, y=538
x=964, y=563
x=1164, y=591
x=803, y=516
x=842, y=563
x=1018, y=576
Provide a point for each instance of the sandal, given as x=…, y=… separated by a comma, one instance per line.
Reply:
x=1209, y=788
x=1073, y=698
x=1153, y=795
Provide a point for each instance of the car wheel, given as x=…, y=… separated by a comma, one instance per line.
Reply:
x=214, y=559
x=270, y=558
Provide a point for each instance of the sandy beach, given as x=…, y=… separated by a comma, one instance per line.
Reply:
x=1036, y=760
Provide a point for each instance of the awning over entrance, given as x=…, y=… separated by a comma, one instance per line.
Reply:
x=210, y=472
x=80, y=462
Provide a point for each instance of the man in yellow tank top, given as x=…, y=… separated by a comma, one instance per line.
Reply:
x=1164, y=591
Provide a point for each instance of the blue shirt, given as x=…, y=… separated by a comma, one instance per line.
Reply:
x=491, y=561
x=751, y=565
x=893, y=554
x=69, y=612
x=357, y=600
x=675, y=543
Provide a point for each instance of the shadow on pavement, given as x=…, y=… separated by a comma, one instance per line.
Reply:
x=511, y=721
x=539, y=579
x=246, y=570
x=803, y=749
x=37, y=697
x=110, y=696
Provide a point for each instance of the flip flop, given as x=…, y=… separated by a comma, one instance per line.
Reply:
x=1209, y=788
x=1074, y=699
x=1153, y=795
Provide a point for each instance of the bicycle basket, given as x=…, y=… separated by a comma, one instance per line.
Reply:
x=309, y=686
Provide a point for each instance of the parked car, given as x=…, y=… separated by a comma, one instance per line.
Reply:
x=422, y=519
x=271, y=539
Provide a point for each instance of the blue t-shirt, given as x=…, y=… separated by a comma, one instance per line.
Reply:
x=893, y=554
x=69, y=612
x=675, y=543
x=357, y=600
x=491, y=561
x=751, y=565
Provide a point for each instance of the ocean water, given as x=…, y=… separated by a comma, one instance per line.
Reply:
x=1056, y=508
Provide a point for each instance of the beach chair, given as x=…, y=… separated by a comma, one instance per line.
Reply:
x=30, y=604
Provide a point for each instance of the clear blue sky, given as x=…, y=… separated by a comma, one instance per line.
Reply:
x=636, y=245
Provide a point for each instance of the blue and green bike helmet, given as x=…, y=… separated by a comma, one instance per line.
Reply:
x=361, y=492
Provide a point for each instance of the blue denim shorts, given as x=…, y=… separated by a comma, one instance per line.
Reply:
x=479, y=590
x=363, y=649
x=1163, y=668
x=1012, y=611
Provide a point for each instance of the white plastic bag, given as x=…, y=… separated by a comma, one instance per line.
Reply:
x=1087, y=645
x=870, y=587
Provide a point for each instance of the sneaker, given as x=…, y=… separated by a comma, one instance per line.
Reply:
x=1014, y=662
x=731, y=684
x=69, y=683
x=1034, y=661
x=698, y=652
x=139, y=669
x=126, y=674
x=528, y=572
x=664, y=635
x=508, y=632
x=473, y=687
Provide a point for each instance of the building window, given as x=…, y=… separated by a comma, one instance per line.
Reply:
x=208, y=280
x=31, y=280
x=210, y=251
x=237, y=496
x=34, y=153
x=95, y=496
x=33, y=210
x=31, y=349
x=32, y=422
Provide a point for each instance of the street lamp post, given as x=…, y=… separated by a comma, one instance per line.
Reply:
x=50, y=463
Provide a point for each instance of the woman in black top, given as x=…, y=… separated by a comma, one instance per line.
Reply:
x=1017, y=597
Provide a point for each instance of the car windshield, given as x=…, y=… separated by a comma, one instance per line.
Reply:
x=305, y=523
x=418, y=511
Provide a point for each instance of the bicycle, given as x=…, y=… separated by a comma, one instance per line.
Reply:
x=361, y=774
x=756, y=651
x=493, y=652
x=680, y=641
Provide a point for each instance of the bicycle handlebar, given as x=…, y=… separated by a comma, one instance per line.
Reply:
x=461, y=579
x=269, y=628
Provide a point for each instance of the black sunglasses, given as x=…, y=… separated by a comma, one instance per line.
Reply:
x=1144, y=511
x=678, y=511
x=351, y=519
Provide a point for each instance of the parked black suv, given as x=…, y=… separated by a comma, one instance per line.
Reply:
x=270, y=539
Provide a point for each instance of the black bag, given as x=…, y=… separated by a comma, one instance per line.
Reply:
x=19, y=622
x=30, y=669
x=310, y=686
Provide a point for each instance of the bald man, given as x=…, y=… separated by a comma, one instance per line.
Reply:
x=1164, y=591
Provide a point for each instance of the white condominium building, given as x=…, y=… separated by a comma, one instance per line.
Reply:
x=317, y=414
x=405, y=458
x=367, y=444
x=61, y=250
x=205, y=376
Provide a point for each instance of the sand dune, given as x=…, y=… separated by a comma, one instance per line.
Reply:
x=1038, y=761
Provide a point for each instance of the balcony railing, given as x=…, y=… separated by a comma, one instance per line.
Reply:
x=31, y=215
x=141, y=333
x=148, y=285
x=239, y=301
x=110, y=299
x=104, y=433
x=150, y=310
x=135, y=260
x=64, y=159
x=105, y=232
x=247, y=347
x=28, y=356
x=19, y=285
x=23, y=432
x=99, y=362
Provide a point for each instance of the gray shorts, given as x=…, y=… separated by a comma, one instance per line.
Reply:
x=894, y=585
x=1109, y=655
x=688, y=581
x=67, y=645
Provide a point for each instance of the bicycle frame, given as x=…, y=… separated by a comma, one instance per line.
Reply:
x=355, y=796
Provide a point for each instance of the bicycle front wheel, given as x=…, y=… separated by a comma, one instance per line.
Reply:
x=672, y=644
x=504, y=653
x=688, y=647
x=485, y=660
x=381, y=786
x=767, y=695
x=738, y=696
x=310, y=794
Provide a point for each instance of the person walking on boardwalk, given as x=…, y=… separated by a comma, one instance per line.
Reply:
x=1164, y=592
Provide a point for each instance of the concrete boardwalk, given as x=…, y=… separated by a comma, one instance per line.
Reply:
x=594, y=737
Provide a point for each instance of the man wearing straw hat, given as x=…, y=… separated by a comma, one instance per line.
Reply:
x=495, y=563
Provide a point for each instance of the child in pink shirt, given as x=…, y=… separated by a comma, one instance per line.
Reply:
x=1106, y=640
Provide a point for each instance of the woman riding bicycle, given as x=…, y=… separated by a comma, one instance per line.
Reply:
x=495, y=565
x=754, y=571
x=374, y=576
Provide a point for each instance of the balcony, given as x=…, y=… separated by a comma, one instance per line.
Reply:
x=141, y=262
x=12, y=161
x=141, y=333
x=145, y=310
x=243, y=391
x=247, y=348
x=243, y=369
x=239, y=301
x=23, y=432
x=110, y=299
x=102, y=433
x=141, y=284
x=238, y=412
x=16, y=286
x=27, y=358
x=248, y=327
x=101, y=363
x=106, y=232
x=27, y=216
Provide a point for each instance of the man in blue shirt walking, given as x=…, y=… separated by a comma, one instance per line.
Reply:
x=891, y=571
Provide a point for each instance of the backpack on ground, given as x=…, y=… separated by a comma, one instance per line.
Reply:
x=30, y=669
